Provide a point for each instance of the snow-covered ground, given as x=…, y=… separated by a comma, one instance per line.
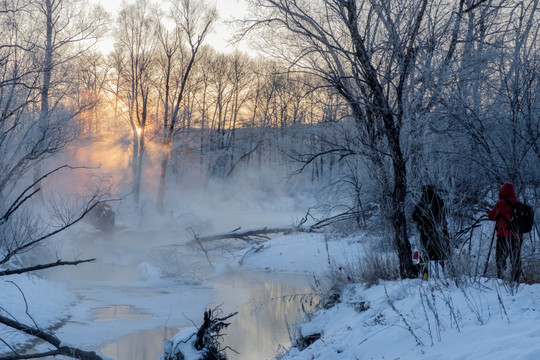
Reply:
x=407, y=319
x=428, y=320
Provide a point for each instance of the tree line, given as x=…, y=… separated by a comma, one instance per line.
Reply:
x=373, y=97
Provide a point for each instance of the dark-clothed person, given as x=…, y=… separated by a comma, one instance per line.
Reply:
x=429, y=214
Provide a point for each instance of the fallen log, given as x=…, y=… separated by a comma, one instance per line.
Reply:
x=251, y=235
x=247, y=235
x=262, y=233
x=60, y=348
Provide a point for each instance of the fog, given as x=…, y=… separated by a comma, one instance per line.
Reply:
x=264, y=196
x=196, y=205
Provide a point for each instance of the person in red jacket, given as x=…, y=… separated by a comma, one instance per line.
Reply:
x=508, y=242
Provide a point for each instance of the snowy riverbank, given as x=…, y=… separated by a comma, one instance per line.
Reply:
x=407, y=319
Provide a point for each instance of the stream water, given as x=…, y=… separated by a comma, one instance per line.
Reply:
x=132, y=315
x=265, y=303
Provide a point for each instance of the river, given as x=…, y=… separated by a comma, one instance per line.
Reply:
x=127, y=316
x=265, y=302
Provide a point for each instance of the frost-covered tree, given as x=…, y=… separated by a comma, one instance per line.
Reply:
x=135, y=47
x=193, y=21
x=40, y=41
x=386, y=60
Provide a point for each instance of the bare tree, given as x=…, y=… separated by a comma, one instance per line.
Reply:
x=135, y=44
x=36, y=121
x=487, y=104
x=21, y=233
x=35, y=65
x=68, y=29
x=366, y=51
x=193, y=21
x=92, y=77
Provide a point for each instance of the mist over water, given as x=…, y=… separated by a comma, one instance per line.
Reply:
x=137, y=269
x=250, y=197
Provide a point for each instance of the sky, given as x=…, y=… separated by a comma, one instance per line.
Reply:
x=227, y=9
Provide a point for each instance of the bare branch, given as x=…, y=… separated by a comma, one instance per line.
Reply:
x=49, y=338
x=23, y=197
x=44, y=266
x=474, y=6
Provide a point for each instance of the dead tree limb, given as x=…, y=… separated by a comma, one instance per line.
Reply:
x=247, y=235
x=31, y=190
x=60, y=348
x=43, y=266
x=254, y=249
x=262, y=233
x=209, y=334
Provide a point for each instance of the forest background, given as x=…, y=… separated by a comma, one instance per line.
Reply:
x=369, y=100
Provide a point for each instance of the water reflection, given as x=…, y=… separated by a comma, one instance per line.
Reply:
x=119, y=313
x=265, y=302
x=143, y=345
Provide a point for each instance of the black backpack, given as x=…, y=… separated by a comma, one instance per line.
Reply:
x=522, y=219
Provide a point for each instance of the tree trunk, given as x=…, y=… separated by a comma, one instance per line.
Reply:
x=402, y=243
x=162, y=176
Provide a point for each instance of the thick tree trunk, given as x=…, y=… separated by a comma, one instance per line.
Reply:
x=402, y=243
x=379, y=109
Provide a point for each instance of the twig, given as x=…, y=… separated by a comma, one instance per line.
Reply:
x=202, y=248
x=407, y=326
x=25, y=303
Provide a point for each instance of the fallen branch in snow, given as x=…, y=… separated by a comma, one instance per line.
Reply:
x=60, y=348
x=262, y=233
x=253, y=249
x=248, y=235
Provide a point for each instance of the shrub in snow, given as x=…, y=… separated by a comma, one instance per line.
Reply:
x=371, y=268
x=531, y=271
x=198, y=344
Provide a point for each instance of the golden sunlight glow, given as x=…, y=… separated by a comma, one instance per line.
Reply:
x=139, y=130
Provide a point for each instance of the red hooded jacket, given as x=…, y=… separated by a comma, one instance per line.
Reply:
x=502, y=211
